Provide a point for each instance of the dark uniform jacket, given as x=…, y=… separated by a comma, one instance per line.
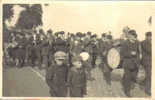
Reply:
x=88, y=46
x=104, y=47
x=146, y=47
x=130, y=61
x=77, y=49
x=60, y=45
x=56, y=79
x=44, y=48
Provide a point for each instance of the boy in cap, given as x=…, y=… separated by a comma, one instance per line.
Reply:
x=77, y=78
x=56, y=76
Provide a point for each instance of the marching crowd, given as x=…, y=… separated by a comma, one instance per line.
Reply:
x=66, y=72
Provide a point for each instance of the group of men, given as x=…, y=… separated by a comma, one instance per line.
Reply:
x=38, y=49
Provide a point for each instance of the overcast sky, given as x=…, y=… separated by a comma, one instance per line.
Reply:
x=98, y=17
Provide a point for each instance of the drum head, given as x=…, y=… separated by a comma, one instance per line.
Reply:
x=113, y=58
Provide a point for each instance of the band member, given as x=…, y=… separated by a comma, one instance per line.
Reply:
x=77, y=46
x=146, y=46
x=77, y=78
x=105, y=46
x=94, y=44
x=130, y=53
x=56, y=76
x=44, y=52
x=21, y=50
x=29, y=51
x=60, y=44
x=37, y=49
x=88, y=48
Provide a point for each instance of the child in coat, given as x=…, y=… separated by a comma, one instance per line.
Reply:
x=77, y=78
x=56, y=76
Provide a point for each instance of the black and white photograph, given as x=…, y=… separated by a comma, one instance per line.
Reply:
x=77, y=49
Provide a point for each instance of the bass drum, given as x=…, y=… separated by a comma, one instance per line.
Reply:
x=113, y=58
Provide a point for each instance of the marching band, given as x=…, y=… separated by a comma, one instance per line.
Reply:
x=69, y=60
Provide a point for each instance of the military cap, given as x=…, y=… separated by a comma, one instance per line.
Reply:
x=61, y=32
x=76, y=58
x=148, y=34
x=79, y=34
x=103, y=34
x=49, y=31
x=60, y=55
x=94, y=36
x=83, y=34
x=88, y=33
x=72, y=35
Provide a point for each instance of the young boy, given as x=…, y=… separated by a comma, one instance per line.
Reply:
x=77, y=78
x=56, y=76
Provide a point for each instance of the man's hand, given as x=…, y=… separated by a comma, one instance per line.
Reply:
x=133, y=53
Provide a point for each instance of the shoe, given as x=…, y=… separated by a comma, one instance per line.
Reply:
x=128, y=94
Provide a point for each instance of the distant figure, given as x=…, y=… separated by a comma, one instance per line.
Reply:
x=146, y=46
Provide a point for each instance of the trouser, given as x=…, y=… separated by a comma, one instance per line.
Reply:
x=106, y=70
x=148, y=69
x=76, y=91
x=129, y=78
x=107, y=73
x=38, y=60
x=20, y=62
x=93, y=62
x=58, y=91
x=88, y=70
x=44, y=61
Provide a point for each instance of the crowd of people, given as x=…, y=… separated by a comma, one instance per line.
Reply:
x=66, y=71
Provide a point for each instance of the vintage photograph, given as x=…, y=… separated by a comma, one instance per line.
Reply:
x=77, y=49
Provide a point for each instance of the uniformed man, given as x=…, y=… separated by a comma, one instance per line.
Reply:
x=146, y=46
x=38, y=49
x=87, y=45
x=130, y=54
x=44, y=52
x=60, y=44
x=105, y=45
x=29, y=52
x=77, y=46
x=88, y=48
x=94, y=50
x=50, y=39
x=21, y=50
x=56, y=76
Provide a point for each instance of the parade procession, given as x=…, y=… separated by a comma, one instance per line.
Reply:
x=69, y=60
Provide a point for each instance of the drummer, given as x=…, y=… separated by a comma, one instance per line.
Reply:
x=105, y=45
